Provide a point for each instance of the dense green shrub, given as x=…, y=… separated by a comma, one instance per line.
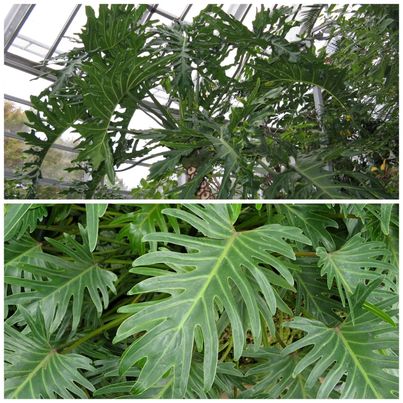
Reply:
x=213, y=301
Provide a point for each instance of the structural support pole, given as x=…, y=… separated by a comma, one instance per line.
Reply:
x=319, y=105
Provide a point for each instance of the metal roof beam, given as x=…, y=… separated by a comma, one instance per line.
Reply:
x=14, y=21
x=66, y=26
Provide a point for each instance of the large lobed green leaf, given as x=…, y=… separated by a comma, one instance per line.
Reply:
x=364, y=352
x=58, y=281
x=34, y=367
x=213, y=269
x=352, y=263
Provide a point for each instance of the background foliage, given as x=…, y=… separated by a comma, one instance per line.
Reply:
x=245, y=118
x=201, y=301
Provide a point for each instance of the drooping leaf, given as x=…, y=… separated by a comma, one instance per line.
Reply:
x=219, y=259
x=34, y=367
x=307, y=71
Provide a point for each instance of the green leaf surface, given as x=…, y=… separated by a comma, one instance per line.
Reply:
x=93, y=213
x=20, y=217
x=314, y=220
x=66, y=280
x=273, y=377
x=314, y=298
x=352, y=264
x=34, y=367
x=222, y=260
x=350, y=350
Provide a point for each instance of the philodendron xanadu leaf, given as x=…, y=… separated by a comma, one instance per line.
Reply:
x=352, y=264
x=363, y=352
x=313, y=220
x=67, y=279
x=274, y=372
x=222, y=260
x=35, y=369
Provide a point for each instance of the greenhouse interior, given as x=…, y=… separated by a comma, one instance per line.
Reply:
x=230, y=101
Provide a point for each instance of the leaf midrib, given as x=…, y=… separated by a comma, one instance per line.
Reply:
x=9, y=228
x=210, y=277
x=75, y=278
x=339, y=273
x=358, y=364
x=313, y=179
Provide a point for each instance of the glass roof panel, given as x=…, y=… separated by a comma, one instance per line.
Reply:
x=44, y=24
x=194, y=11
x=21, y=84
x=67, y=43
x=173, y=8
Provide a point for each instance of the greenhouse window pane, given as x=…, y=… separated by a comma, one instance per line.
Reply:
x=141, y=120
x=175, y=9
x=22, y=85
x=194, y=11
x=68, y=41
x=70, y=138
x=14, y=116
x=56, y=162
x=131, y=178
x=14, y=155
x=45, y=22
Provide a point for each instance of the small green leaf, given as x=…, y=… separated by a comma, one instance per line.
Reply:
x=93, y=213
x=386, y=213
x=379, y=312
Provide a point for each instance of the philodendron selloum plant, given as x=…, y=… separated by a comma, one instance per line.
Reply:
x=240, y=103
x=201, y=301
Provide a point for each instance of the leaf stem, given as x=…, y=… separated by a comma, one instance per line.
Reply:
x=55, y=228
x=95, y=332
x=305, y=253
x=229, y=348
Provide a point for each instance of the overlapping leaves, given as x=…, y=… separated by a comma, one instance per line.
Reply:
x=228, y=301
x=364, y=351
x=35, y=369
x=57, y=281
